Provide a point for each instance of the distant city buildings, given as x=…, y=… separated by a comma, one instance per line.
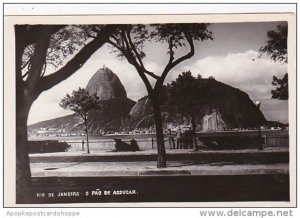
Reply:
x=210, y=123
x=51, y=132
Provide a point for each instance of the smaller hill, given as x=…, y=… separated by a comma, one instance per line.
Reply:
x=232, y=107
x=65, y=122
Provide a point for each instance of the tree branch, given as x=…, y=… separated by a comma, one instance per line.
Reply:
x=131, y=59
x=188, y=55
x=135, y=63
x=132, y=46
x=24, y=65
x=89, y=124
x=122, y=50
x=81, y=115
x=80, y=58
x=151, y=74
x=115, y=38
x=28, y=69
x=44, y=69
x=29, y=34
x=172, y=64
x=26, y=35
x=23, y=76
x=171, y=52
x=38, y=60
x=137, y=55
x=124, y=37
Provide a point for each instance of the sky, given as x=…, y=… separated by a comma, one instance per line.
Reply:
x=231, y=57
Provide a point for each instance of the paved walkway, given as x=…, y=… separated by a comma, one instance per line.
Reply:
x=268, y=155
x=273, y=160
x=145, y=168
x=154, y=152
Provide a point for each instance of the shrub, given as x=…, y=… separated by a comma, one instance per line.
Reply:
x=47, y=146
x=123, y=146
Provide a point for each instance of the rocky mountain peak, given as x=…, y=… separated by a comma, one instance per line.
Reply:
x=106, y=85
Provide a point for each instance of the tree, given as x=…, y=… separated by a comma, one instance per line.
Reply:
x=188, y=93
x=129, y=42
x=37, y=47
x=276, y=48
x=282, y=89
x=81, y=102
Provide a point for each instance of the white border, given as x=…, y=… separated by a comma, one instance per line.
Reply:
x=9, y=92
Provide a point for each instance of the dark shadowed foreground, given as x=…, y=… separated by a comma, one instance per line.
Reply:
x=268, y=187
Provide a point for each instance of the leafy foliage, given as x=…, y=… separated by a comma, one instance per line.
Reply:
x=187, y=93
x=63, y=44
x=176, y=34
x=128, y=36
x=282, y=89
x=129, y=42
x=277, y=49
x=81, y=102
x=276, y=45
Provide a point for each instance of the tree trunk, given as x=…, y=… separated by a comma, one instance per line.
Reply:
x=25, y=96
x=194, y=132
x=87, y=142
x=23, y=176
x=26, y=93
x=87, y=136
x=161, y=159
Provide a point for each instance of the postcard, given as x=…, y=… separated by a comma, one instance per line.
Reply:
x=150, y=110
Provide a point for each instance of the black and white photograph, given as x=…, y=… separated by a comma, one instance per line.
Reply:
x=162, y=110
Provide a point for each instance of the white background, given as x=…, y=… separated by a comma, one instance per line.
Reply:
x=54, y=9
